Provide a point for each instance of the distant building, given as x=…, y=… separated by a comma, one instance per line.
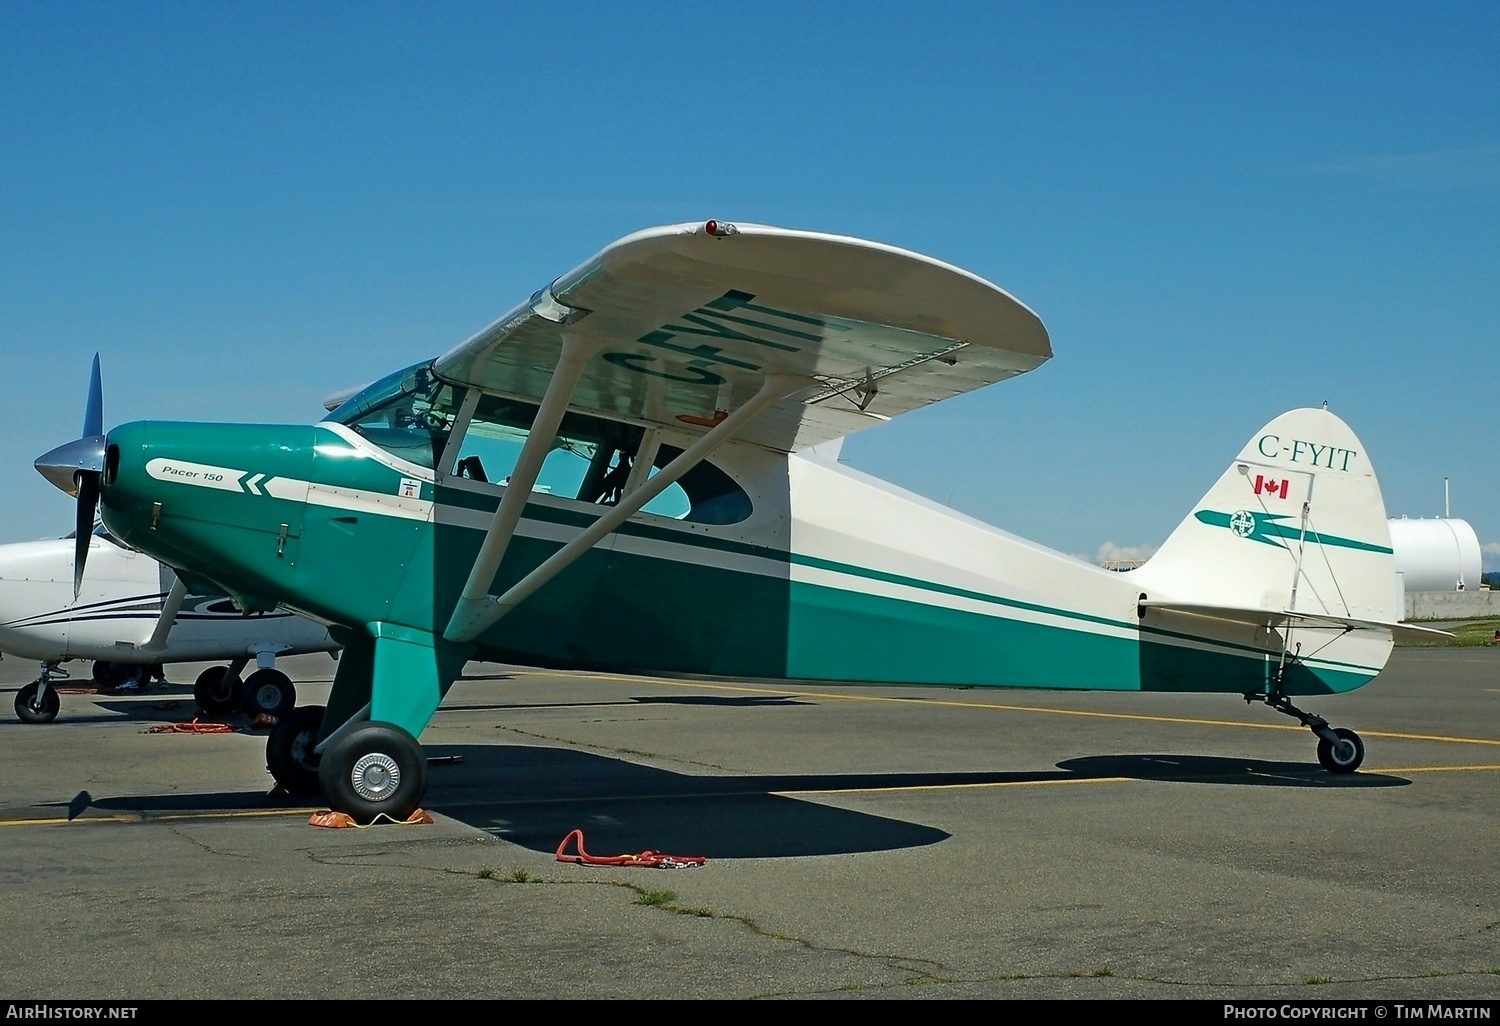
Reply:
x=1441, y=569
x=1437, y=554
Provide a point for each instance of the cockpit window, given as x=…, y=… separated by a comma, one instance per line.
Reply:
x=591, y=460
x=712, y=495
x=409, y=414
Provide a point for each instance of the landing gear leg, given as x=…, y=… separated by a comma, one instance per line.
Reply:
x=1340, y=750
x=37, y=702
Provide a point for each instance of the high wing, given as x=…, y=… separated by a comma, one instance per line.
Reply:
x=686, y=322
x=1272, y=618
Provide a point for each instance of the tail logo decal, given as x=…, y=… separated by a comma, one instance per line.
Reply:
x=1268, y=529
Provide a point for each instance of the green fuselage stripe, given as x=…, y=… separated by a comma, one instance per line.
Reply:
x=948, y=589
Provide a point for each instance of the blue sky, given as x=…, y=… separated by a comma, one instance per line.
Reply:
x=1221, y=211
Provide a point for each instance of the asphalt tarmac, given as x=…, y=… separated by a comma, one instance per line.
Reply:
x=860, y=842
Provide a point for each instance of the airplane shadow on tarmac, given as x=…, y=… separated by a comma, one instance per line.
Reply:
x=1203, y=769
x=536, y=796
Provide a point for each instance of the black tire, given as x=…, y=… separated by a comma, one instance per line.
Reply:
x=217, y=691
x=289, y=750
x=107, y=675
x=269, y=693
x=1345, y=756
x=30, y=710
x=377, y=768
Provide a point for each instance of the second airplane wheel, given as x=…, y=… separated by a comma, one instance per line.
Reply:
x=1343, y=755
x=107, y=676
x=377, y=768
x=269, y=693
x=289, y=750
x=216, y=690
x=30, y=710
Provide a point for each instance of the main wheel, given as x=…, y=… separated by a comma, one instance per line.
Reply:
x=216, y=690
x=1343, y=755
x=107, y=676
x=289, y=750
x=376, y=768
x=32, y=709
x=269, y=693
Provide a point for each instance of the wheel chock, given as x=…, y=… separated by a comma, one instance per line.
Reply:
x=339, y=820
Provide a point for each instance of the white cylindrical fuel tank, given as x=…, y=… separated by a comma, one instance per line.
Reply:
x=1437, y=554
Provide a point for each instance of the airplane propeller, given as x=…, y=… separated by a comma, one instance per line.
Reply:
x=77, y=467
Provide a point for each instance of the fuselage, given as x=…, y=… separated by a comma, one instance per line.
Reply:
x=817, y=572
x=116, y=611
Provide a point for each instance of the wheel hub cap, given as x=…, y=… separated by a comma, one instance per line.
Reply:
x=375, y=777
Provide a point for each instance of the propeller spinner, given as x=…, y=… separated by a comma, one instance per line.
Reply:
x=77, y=468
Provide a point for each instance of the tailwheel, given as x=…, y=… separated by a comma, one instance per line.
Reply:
x=36, y=703
x=375, y=769
x=1343, y=753
x=1340, y=750
x=290, y=754
x=217, y=690
x=269, y=692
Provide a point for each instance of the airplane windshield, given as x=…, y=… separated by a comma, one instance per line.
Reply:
x=409, y=414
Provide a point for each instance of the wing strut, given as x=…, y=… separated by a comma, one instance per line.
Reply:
x=575, y=353
x=169, y=610
x=475, y=614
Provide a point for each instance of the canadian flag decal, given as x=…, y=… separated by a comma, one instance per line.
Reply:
x=1264, y=486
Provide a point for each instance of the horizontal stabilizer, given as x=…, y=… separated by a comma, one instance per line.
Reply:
x=1273, y=618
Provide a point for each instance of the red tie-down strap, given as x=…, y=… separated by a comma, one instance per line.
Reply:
x=194, y=726
x=649, y=859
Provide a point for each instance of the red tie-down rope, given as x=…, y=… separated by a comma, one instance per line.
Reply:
x=649, y=859
x=195, y=726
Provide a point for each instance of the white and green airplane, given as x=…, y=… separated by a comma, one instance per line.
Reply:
x=631, y=471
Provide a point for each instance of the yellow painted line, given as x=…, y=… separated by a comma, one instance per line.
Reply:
x=996, y=706
x=165, y=817
x=1428, y=769
x=1432, y=737
x=961, y=787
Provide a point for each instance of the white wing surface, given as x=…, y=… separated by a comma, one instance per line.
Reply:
x=688, y=319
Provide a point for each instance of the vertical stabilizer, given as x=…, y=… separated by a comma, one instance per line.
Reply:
x=1296, y=523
